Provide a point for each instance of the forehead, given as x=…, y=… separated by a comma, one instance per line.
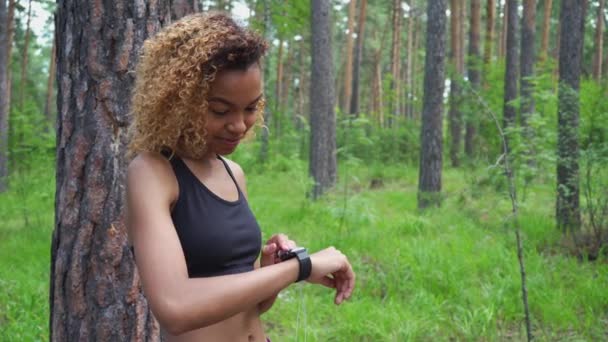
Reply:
x=237, y=85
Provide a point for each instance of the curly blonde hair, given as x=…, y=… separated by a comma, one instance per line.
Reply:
x=173, y=77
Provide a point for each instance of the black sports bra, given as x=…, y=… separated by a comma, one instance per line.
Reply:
x=218, y=237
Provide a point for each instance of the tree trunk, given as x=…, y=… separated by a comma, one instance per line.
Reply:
x=511, y=69
x=528, y=34
x=474, y=71
x=599, y=42
x=489, y=38
x=377, y=96
x=395, y=63
x=278, y=88
x=95, y=292
x=267, y=111
x=418, y=33
x=50, y=86
x=431, y=135
x=287, y=79
x=354, y=100
x=567, y=205
x=454, y=114
x=502, y=42
x=544, y=45
x=348, y=70
x=323, y=119
x=24, y=57
x=4, y=84
x=409, y=62
x=180, y=8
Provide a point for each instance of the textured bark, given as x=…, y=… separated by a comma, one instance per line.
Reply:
x=323, y=119
x=429, y=178
x=267, y=111
x=377, y=96
x=511, y=69
x=454, y=114
x=354, y=100
x=4, y=85
x=395, y=63
x=50, y=87
x=599, y=42
x=287, y=78
x=180, y=8
x=95, y=291
x=278, y=88
x=567, y=210
x=544, y=45
x=474, y=73
x=348, y=70
x=528, y=34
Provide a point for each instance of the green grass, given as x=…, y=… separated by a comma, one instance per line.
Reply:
x=444, y=274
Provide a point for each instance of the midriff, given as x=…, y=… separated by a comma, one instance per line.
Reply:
x=242, y=327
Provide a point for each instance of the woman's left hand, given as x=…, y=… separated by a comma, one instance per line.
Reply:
x=276, y=243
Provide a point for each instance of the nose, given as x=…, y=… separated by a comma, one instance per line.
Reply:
x=237, y=125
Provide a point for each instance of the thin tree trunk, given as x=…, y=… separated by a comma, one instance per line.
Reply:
x=395, y=63
x=50, y=87
x=287, y=78
x=454, y=114
x=431, y=151
x=544, y=45
x=502, y=43
x=4, y=85
x=348, y=70
x=410, y=61
x=511, y=69
x=599, y=42
x=95, y=291
x=474, y=74
x=180, y=8
x=489, y=38
x=377, y=107
x=567, y=210
x=24, y=58
x=278, y=91
x=354, y=102
x=267, y=111
x=323, y=166
x=415, y=114
x=528, y=35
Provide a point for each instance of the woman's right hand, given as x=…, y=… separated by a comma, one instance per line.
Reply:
x=331, y=268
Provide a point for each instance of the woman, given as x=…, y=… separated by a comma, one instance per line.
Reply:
x=198, y=93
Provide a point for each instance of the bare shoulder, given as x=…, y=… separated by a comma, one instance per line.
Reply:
x=151, y=174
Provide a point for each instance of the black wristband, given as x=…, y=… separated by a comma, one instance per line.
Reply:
x=303, y=259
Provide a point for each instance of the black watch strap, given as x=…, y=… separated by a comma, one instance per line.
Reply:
x=301, y=254
x=305, y=264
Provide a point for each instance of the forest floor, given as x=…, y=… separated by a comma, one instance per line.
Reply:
x=448, y=273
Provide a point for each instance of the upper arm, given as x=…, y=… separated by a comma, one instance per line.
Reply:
x=151, y=188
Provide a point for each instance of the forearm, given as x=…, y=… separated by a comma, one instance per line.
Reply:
x=200, y=302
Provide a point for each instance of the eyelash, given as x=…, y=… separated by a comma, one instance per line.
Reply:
x=249, y=110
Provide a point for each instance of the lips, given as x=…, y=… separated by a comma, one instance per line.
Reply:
x=231, y=142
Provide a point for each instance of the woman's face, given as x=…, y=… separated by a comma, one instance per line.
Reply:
x=233, y=99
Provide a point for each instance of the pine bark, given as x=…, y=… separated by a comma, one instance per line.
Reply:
x=544, y=45
x=323, y=166
x=429, y=180
x=489, y=38
x=511, y=69
x=599, y=42
x=474, y=69
x=348, y=70
x=278, y=95
x=409, y=63
x=502, y=42
x=528, y=36
x=354, y=100
x=95, y=291
x=567, y=210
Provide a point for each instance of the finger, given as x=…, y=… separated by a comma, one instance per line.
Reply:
x=291, y=244
x=269, y=249
x=328, y=282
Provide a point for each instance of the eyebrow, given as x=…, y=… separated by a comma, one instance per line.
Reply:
x=226, y=102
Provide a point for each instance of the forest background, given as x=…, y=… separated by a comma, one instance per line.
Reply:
x=433, y=263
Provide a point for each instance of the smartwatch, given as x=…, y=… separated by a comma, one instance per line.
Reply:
x=303, y=259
